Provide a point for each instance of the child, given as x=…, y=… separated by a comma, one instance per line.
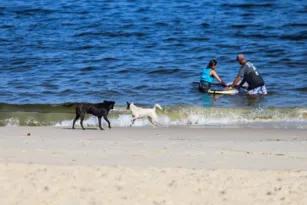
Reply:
x=207, y=76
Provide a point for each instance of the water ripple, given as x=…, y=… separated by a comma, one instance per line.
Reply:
x=149, y=51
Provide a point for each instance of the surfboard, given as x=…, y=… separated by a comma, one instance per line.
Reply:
x=223, y=92
x=220, y=90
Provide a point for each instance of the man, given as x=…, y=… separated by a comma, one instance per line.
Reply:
x=248, y=73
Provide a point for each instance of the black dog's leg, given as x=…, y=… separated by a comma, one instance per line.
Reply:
x=73, y=124
x=81, y=121
x=106, y=119
x=99, y=121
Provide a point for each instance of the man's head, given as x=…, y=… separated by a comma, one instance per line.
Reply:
x=241, y=59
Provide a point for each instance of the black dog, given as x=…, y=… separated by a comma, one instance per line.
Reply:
x=99, y=109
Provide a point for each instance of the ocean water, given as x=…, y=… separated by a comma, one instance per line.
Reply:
x=148, y=52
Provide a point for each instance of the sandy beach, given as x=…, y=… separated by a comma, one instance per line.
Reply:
x=175, y=165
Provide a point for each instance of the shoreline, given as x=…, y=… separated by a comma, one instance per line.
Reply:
x=172, y=115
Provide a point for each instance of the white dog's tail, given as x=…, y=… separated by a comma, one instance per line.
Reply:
x=158, y=106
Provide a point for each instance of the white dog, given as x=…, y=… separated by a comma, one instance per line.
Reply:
x=138, y=112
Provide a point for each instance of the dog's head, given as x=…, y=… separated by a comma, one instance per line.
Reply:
x=128, y=106
x=110, y=104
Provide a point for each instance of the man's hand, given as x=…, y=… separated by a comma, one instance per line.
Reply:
x=228, y=88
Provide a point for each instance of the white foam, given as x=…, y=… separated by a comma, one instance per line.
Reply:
x=185, y=116
x=12, y=122
x=193, y=118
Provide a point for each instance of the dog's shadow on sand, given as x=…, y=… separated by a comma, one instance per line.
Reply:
x=90, y=128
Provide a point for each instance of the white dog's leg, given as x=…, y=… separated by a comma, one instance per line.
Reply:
x=157, y=124
x=132, y=122
x=151, y=120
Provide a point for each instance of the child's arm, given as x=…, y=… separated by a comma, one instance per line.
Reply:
x=214, y=74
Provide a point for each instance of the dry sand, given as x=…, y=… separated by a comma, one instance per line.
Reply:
x=152, y=166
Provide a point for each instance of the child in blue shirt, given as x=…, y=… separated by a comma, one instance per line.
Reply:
x=207, y=76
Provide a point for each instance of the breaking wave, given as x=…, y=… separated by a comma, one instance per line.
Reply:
x=179, y=115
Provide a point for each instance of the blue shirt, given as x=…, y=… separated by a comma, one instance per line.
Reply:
x=205, y=75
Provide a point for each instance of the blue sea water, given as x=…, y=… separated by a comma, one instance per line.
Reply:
x=149, y=52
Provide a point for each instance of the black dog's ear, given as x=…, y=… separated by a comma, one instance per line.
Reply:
x=111, y=106
x=128, y=103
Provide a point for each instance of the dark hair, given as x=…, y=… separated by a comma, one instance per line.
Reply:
x=211, y=63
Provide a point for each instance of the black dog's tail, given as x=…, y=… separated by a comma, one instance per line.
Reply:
x=69, y=104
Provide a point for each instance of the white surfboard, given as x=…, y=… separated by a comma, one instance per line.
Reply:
x=223, y=92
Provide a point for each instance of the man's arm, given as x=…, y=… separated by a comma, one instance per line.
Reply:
x=238, y=78
x=240, y=85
